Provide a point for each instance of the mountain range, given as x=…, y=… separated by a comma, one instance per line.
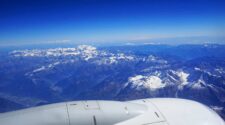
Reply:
x=32, y=77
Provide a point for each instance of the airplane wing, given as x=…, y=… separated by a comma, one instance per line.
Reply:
x=137, y=112
x=175, y=112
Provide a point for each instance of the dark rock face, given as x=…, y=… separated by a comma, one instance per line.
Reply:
x=42, y=76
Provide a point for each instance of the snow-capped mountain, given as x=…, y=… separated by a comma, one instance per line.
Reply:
x=39, y=76
x=157, y=81
x=84, y=52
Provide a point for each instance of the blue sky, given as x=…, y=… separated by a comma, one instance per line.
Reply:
x=49, y=21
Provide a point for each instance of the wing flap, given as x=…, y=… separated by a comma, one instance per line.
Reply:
x=144, y=119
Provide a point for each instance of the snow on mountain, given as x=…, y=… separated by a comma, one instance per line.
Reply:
x=54, y=64
x=150, y=82
x=208, y=72
x=84, y=52
x=58, y=56
x=39, y=69
x=183, y=77
x=217, y=108
x=115, y=58
x=220, y=70
x=200, y=84
x=42, y=68
x=154, y=59
x=159, y=79
x=87, y=51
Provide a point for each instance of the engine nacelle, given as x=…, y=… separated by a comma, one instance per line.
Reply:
x=164, y=111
